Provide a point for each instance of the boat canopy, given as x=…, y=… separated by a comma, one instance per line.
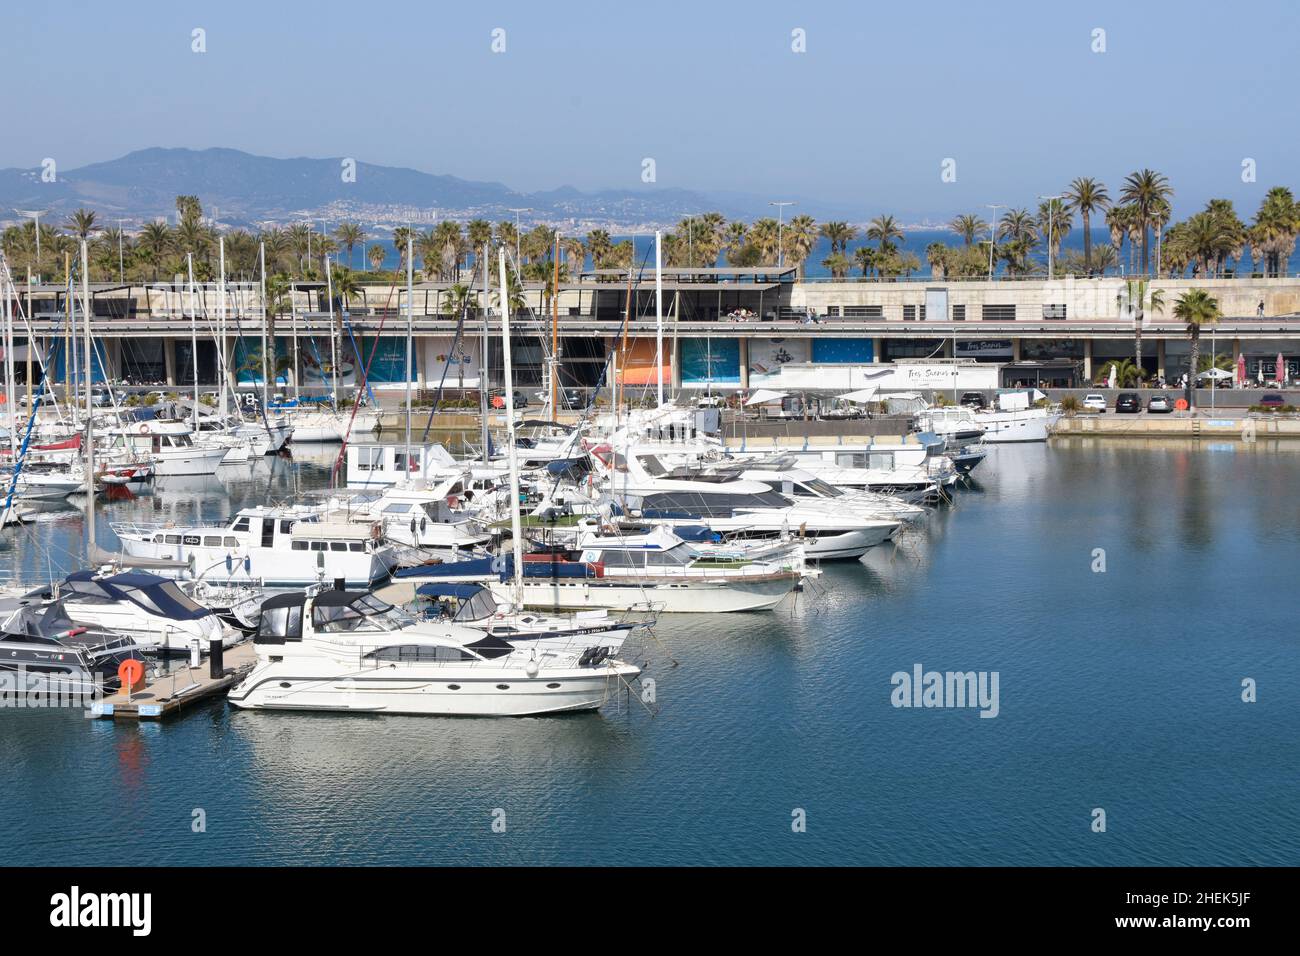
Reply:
x=149, y=591
x=437, y=589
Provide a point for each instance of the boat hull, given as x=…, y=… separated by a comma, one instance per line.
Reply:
x=446, y=692
x=693, y=597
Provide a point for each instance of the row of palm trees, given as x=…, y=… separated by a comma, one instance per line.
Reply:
x=1201, y=245
x=1204, y=244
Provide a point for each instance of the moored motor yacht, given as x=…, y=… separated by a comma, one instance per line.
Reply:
x=272, y=547
x=46, y=650
x=350, y=651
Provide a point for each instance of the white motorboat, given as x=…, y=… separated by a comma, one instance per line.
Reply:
x=737, y=509
x=152, y=610
x=438, y=520
x=350, y=651
x=272, y=547
x=170, y=446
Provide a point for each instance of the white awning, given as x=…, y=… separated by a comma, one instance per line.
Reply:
x=765, y=395
x=1215, y=373
x=861, y=395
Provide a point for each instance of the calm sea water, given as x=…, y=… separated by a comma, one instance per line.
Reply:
x=1119, y=690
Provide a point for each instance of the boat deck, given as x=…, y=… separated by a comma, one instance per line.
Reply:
x=173, y=693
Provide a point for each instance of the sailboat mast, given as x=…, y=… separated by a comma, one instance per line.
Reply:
x=194, y=340
x=516, y=532
x=222, y=369
x=334, y=357
x=10, y=398
x=555, y=328
x=410, y=331
x=90, y=428
x=266, y=395
x=659, y=316
x=483, y=383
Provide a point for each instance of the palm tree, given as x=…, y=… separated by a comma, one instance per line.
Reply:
x=1139, y=299
x=1144, y=190
x=764, y=236
x=1054, y=223
x=155, y=243
x=1086, y=196
x=734, y=242
x=1017, y=226
x=968, y=226
x=1127, y=374
x=937, y=254
x=866, y=258
x=376, y=254
x=349, y=234
x=1197, y=308
x=403, y=236
x=81, y=223
x=799, y=236
x=837, y=264
x=1272, y=238
x=884, y=230
x=479, y=235
x=840, y=235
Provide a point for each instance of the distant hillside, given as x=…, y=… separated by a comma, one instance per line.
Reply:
x=245, y=189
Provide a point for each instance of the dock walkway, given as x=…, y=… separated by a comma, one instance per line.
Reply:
x=172, y=693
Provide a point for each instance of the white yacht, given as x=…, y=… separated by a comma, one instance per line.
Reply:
x=170, y=445
x=350, y=651
x=331, y=425
x=735, y=508
x=370, y=466
x=439, y=521
x=783, y=474
x=273, y=547
x=152, y=610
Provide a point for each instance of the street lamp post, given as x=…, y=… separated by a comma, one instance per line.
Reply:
x=993, y=223
x=1051, y=208
x=780, y=229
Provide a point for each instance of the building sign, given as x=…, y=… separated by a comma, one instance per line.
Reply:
x=843, y=351
x=766, y=356
x=984, y=349
x=710, y=362
x=460, y=366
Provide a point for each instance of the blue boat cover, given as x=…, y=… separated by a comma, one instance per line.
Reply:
x=458, y=591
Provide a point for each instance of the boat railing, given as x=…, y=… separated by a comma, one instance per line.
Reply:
x=140, y=527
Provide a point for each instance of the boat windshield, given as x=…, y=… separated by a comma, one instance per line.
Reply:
x=476, y=608
x=824, y=489
x=364, y=613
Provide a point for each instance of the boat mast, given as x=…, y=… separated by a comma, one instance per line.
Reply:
x=9, y=364
x=90, y=428
x=410, y=331
x=334, y=358
x=194, y=341
x=483, y=359
x=266, y=395
x=222, y=370
x=516, y=532
x=659, y=316
x=555, y=328
x=71, y=378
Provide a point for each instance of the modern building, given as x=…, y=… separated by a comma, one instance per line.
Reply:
x=721, y=326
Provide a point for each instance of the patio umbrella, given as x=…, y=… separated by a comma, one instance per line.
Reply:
x=1241, y=369
x=1110, y=379
x=1281, y=369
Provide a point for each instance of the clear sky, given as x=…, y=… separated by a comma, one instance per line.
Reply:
x=712, y=91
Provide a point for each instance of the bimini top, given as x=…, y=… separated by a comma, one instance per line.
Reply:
x=154, y=594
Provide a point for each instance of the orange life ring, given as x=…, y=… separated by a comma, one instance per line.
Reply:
x=131, y=672
x=143, y=429
x=1181, y=404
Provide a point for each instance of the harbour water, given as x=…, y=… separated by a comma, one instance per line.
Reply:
x=1118, y=689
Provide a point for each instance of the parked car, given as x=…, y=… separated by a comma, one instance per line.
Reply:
x=974, y=400
x=1272, y=399
x=1095, y=402
x=1160, y=403
x=1128, y=403
x=499, y=399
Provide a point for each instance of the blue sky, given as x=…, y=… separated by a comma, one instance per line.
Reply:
x=712, y=91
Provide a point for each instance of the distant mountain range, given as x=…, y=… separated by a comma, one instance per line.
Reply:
x=238, y=188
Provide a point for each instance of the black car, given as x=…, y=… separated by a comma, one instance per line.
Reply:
x=1129, y=403
x=973, y=400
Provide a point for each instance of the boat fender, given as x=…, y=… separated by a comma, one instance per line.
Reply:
x=143, y=429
